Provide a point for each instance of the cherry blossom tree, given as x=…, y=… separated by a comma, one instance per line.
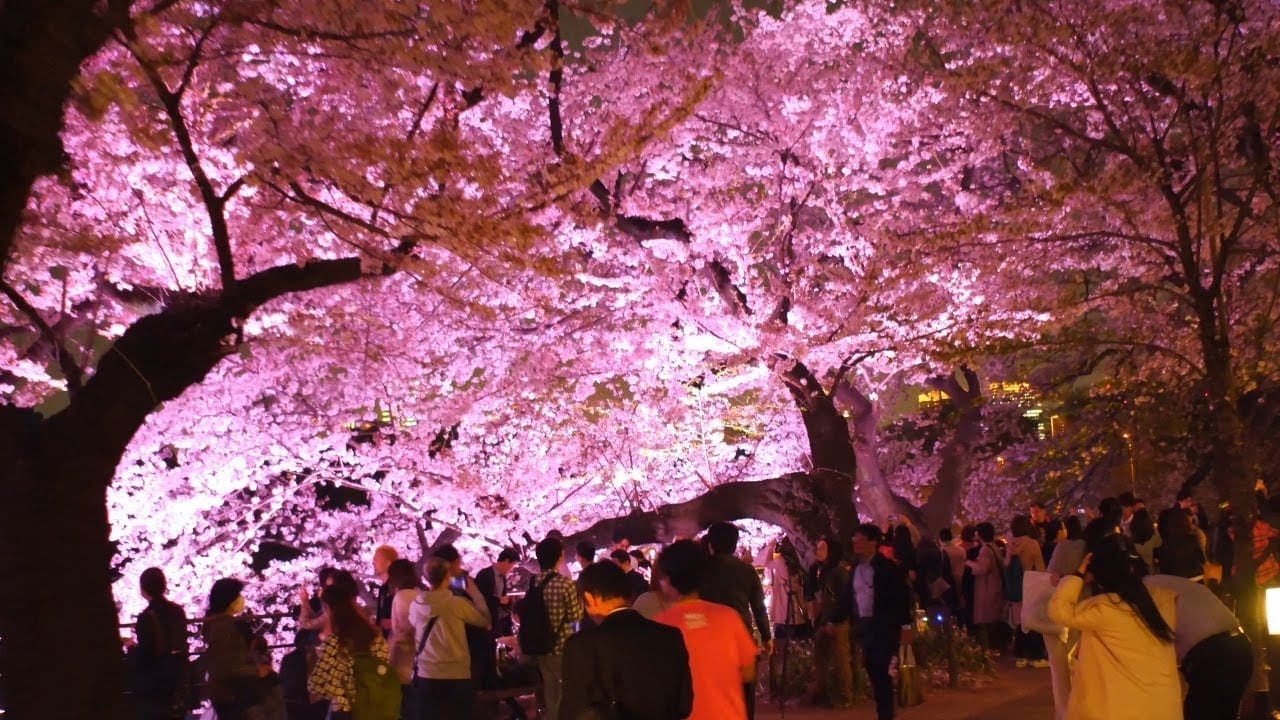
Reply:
x=1140, y=180
x=221, y=160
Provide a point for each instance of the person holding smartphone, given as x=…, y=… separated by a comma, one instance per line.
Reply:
x=443, y=684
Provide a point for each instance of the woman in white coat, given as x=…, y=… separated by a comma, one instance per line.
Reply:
x=1127, y=668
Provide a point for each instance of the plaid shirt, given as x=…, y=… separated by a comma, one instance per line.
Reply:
x=564, y=607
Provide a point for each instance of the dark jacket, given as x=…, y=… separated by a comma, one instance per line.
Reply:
x=637, y=663
x=735, y=583
x=229, y=659
x=891, y=596
x=827, y=586
x=161, y=652
x=487, y=582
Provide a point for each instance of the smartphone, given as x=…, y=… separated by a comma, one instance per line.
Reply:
x=458, y=583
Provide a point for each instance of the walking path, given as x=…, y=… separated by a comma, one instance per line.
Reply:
x=1016, y=695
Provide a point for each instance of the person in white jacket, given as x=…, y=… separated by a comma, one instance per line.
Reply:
x=1127, y=668
x=443, y=686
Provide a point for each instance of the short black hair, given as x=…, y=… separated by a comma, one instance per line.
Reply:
x=1127, y=499
x=447, y=552
x=586, y=549
x=986, y=531
x=402, y=575
x=223, y=593
x=326, y=575
x=968, y=533
x=945, y=535
x=870, y=531
x=1075, y=530
x=508, y=555
x=153, y=583
x=723, y=538
x=684, y=563
x=1110, y=508
x=1021, y=526
x=621, y=556
x=549, y=552
x=605, y=580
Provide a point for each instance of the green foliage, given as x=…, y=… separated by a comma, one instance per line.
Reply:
x=973, y=665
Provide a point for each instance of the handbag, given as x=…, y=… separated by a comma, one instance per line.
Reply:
x=1037, y=588
x=910, y=693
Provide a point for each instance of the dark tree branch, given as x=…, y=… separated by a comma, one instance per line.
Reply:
x=344, y=36
x=193, y=61
x=786, y=501
x=556, y=78
x=414, y=129
x=70, y=368
x=215, y=204
x=42, y=44
x=161, y=355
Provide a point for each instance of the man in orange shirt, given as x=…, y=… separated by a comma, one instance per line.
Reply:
x=722, y=654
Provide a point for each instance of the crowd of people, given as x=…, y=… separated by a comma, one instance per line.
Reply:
x=1130, y=618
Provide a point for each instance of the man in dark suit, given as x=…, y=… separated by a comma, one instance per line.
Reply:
x=639, y=666
x=492, y=582
x=882, y=606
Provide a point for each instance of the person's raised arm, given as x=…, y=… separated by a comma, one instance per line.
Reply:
x=475, y=612
x=1064, y=608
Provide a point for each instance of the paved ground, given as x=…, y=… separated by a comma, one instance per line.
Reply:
x=1015, y=695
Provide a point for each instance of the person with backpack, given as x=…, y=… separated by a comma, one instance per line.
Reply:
x=354, y=669
x=160, y=654
x=547, y=617
x=1024, y=556
x=443, y=685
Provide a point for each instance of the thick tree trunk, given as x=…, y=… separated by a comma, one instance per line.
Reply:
x=1229, y=469
x=957, y=456
x=57, y=617
x=42, y=43
x=835, y=463
x=807, y=506
x=792, y=502
x=874, y=493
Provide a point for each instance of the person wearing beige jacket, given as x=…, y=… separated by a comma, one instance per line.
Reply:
x=1028, y=645
x=1127, y=668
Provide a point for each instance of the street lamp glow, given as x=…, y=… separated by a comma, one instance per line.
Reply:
x=1273, y=611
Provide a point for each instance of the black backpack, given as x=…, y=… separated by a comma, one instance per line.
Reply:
x=536, y=636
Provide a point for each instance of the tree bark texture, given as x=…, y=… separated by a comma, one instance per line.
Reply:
x=957, y=455
x=792, y=502
x=57, y=616
x=42, y=43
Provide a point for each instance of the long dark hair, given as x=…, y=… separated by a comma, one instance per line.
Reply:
x=1112, y=570
x=349, y=625
x=1141, y=528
